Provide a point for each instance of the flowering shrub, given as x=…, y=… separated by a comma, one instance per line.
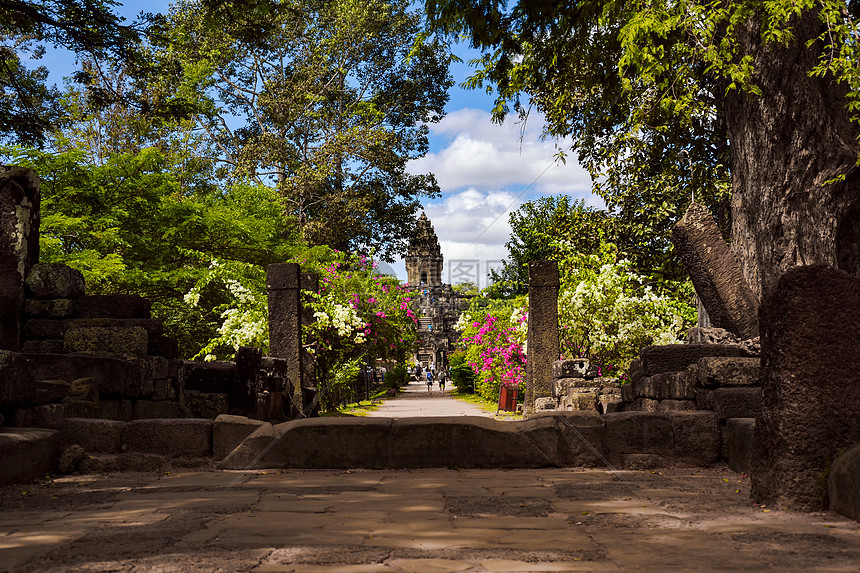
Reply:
x=244, y=315
x=359, y=315
x=494, y=345
x=607, y=314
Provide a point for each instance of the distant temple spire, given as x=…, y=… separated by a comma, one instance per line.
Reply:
x=424, y=259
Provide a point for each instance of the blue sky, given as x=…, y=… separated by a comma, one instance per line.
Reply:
x=484, y=170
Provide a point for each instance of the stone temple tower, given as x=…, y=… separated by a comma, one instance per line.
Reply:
x=424, y=260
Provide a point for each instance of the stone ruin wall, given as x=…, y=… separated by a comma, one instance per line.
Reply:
x=66, y=354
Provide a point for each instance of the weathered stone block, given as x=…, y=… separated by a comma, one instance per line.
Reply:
x=50, y=308
x=203, y=405
x=21, y=418
x=95, y=436
x=696, y=437
x=149, y=409
x=47, y=415
x=244, y=391
x=638, y=433
x=80, y=409
x=583, y=401
x=51, y=391
x=112, y=375
x=55, y=280
x=229, y=431
x=571, y=368
x=48, y=346
x=162, y=389
x=166, y=346
x=172, y=438
x=256, y=451
x=666, y=386
x=153, y=327
x=115, y=410
x=107, y=340
x=810, y=385
x=715, y=273
x=677, y=357
x=627, y=392
x=214, y=377
x=581, y=438
x=717, y=372
x=739, y=435
x=114, y=306
x=608, y=403
x=17, y=380
x=27, y=453
x=705, y=399
x=39, y=328
x=737, y=402
x=361, y=443
x=844, y=483
x=643, y=405
x=675, y=405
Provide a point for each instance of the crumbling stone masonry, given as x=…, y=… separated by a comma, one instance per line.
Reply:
x=19, y=247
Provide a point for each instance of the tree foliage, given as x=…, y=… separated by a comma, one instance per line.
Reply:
x=538, y=225
x=28, y=106
x=327, y=99
x=130, y=227
x=642, y=88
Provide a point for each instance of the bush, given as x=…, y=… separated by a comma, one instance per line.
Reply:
x=461, y=373
x=397, y=377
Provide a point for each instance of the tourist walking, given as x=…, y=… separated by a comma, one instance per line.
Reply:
x=443, y=377
x=429, y=380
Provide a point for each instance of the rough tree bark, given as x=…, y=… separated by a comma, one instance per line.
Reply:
x=785, y=146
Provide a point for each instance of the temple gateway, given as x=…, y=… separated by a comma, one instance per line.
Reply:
x=436, y=304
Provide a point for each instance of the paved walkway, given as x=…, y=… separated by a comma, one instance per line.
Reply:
x=419, y=521
x=415, y=401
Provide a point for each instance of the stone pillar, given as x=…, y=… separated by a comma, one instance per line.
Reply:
x=810, y=376
x=19, y=247
x=542, y=333
x=283, y=281
x=715, y=273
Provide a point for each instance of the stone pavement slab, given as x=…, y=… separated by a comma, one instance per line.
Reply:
x=385, y=521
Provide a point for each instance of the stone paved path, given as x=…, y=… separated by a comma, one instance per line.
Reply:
x=416, y=401
x=419, y=521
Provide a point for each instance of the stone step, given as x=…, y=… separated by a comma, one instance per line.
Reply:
x=27, y=453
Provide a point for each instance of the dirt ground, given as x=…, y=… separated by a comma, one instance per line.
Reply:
x=434, y=520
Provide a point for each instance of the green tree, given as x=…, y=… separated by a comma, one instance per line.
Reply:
x=129, y=228
x=537, y=226
x=329, y=103
x=761, y=98
x=28, y=107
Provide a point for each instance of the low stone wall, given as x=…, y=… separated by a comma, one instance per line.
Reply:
x=620, y=440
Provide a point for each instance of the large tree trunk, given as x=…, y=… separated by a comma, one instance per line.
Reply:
x=785, y=146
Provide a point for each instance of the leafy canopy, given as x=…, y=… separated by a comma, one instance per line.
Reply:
x=328, y=100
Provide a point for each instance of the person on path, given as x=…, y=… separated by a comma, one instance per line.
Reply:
x=443, y=376
x=429, y=380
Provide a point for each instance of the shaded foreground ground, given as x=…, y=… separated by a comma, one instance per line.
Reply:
x=434, y=520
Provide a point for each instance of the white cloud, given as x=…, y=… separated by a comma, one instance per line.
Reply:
x=487, y=156
x=472, y=227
